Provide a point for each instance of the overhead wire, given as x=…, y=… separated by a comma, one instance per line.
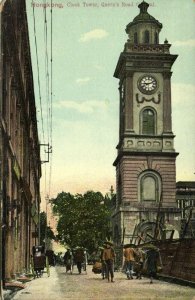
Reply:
x=48, y=91
x=51, y=95
x=38, y=74
x=46, y=97
x=46, y=70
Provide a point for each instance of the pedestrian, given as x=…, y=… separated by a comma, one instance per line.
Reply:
x=130, y=256
x=102, y=261
x=85, y=260
x=108, y=258
x=79, y=258
x=68, y=260
x=140, y=261
x=152, y=259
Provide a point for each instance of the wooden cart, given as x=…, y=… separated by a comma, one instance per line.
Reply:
x=39, y=261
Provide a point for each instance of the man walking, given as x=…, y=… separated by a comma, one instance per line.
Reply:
x=152, y=259
x=130, y=255
x=109, y=257
x=79, y=258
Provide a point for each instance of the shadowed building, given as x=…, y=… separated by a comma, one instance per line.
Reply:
x=185, y=197
x=145, y=164
x=20, y=153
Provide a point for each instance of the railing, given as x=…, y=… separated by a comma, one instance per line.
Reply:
x=147, y=48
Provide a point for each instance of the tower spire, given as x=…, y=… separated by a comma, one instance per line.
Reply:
x=143, y=7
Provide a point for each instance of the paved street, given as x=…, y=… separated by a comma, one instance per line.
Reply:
x=90, y=286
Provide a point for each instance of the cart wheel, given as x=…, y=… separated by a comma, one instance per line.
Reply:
x=47, y=266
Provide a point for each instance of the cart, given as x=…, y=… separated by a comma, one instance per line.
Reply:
x=39, y=261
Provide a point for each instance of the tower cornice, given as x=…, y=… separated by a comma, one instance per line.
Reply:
x=144, y=154
x=155, y=62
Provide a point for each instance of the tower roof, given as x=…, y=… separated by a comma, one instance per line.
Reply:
x=143, y=17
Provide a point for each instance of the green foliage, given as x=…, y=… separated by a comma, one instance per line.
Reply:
x=43, y=233
x=83, y=219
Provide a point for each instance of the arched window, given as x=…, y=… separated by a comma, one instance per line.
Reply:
x=146, y=37
x=135, y=38
x=148, y=122
x=149, y=186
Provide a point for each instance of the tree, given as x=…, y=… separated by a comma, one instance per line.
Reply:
x=83, y=219
x=45, y=231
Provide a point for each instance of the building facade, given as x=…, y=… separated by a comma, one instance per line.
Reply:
x=20, y=153
x=145, y=164
x=185, y=196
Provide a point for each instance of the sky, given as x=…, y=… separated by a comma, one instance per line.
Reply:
x=88, y=37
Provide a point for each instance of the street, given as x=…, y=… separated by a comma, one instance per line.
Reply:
x=91, y=286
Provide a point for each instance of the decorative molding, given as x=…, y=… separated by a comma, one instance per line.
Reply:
x=156, y=101
x=148, y=64
x=148, y=143
x=149, y=162
x=129, y=143
x=168, y=143
x=147, y=48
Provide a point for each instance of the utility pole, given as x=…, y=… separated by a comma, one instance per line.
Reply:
x=46, y=238
x=1, y=148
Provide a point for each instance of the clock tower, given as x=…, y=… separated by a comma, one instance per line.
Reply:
x=145, y=164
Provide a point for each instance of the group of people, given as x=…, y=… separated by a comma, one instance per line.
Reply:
x=141, y=260
x=77, y=257
x=137, y=260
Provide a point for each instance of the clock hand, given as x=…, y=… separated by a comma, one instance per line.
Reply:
x=147, y=83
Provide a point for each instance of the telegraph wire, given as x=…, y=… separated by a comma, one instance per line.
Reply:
x=38, y=76
x=51, y=72
x=51, y=87
x=48, y=92
x=46, y=69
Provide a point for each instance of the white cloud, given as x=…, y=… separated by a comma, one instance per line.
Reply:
x=95, y=34
x=185, y=43
x=84, y=106
x=98, y=67
x=82, y=81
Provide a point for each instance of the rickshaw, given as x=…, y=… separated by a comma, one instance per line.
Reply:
x=39, y=261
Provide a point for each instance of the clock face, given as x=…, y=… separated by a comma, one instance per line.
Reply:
x=147, y=84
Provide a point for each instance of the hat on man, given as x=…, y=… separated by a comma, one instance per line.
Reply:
x=129, y=246
x=108, y=243
x=101, y=248
x=149, y=247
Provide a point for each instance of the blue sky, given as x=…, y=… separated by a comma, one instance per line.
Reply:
x=87, y=42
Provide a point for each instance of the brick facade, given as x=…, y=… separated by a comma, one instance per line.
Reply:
x=146, y=160
x=20, y=151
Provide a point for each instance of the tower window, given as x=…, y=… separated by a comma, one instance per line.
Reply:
x=135, y=38
x=148, y=122
x=146, y=37
x=149, y=186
